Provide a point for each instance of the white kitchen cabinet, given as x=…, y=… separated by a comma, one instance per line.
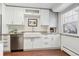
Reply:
x=14, y=15
x=56, y=41
x=37, y=43
x=1, y=49
x=52, y=19
x=70, y=44
x=44, y=17
x=51, y=41
x=27, y=44
x=43, y=42
x=31, y=44
x=6, y=43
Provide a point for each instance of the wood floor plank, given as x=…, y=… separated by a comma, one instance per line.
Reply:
x=37, y=53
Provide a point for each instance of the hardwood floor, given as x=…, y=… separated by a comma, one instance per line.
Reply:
x=37, y=53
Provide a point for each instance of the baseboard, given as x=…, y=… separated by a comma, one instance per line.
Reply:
x=69, y=51
x=41, y=48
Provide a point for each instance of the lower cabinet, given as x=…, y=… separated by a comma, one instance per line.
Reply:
x=42, y=43
x=27, y=44
x=1, y=49
x=6, y=43
x=37, y=43
x=70, y=45
x=52, y=42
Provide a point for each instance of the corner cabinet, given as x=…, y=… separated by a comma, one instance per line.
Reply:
x=44, y=17
x=14, y=15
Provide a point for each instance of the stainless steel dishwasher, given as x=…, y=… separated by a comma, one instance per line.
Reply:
x=16, y=42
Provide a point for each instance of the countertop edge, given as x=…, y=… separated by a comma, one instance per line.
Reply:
x=72, y=35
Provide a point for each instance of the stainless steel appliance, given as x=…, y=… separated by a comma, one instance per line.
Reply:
x=16, y=42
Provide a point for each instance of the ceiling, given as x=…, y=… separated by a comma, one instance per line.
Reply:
x=34, y=5
x=53, y=6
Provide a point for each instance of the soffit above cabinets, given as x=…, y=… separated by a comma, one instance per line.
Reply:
x=56, y=7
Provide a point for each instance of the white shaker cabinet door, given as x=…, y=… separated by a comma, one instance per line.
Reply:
x=18, y=16
x=56, y=41
x=46, y=42
x=52, y=19
x=44, y=17
x=36, y=43
x=27, y=44
x=9, y=12
x=14, y=15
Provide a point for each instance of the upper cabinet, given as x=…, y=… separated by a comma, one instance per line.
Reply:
x=14, y=15
x=52, y=19
x=44, y=17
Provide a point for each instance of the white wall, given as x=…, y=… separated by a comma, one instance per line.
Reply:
x=0, y=20
x=59, y=23
x=0, y=8
x=4, y=21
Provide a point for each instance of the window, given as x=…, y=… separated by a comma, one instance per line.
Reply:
x=70, y=22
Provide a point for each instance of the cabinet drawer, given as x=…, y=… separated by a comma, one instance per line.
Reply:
x=6, y=46
x=6, y=37
x=6, y=49
x=1, y=47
